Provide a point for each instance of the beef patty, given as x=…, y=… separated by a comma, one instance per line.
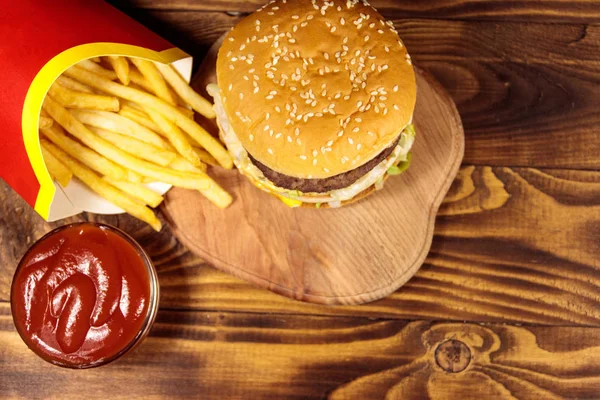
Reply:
x=324, y=185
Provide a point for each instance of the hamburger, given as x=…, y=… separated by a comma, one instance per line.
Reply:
x=314, y=100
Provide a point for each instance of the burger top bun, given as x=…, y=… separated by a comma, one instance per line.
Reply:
x=314, y=88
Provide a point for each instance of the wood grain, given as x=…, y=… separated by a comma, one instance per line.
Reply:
x=235, y=356
x=525, y=10
x=511, y=245
x=521, y=104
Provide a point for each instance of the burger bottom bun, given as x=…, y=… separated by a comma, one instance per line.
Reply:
x=362, y=195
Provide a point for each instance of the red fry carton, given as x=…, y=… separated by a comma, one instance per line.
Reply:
x=38, y=41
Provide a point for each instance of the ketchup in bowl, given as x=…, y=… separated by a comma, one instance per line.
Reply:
x=83, y=295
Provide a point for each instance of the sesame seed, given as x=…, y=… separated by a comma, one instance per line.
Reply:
x=270, y=151
x=350, y=140
x=385, y=111
x=333, y=29
x=278, y=135
x=310, y=17
x=295, y=17
x=396, y=88
x=241, y=96
x=315, y=153
x=330, y=143
x=315, y=161
x=230, y=86
x=298, y=141
x=256, y=90
x=269, y=97
x=356, y=129
x=347, y=97
x=342, y=21
x=396, y=107
x=387, y=49
x=358, y=119
x=231, y=39
x=325, y=169
x=370, y=133
x=267, y=116
x=266, y=128
x=231, y=66
x=358, y=146
x=271, y=132
x=340, y=133
x=303, y=157
x=277, y=109
x=297, y=131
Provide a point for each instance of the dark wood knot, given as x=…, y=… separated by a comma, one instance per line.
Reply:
x=453, y=356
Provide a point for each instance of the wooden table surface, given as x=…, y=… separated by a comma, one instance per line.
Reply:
x=507, y=304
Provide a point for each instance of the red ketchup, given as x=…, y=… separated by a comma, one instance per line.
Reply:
x=83, y=295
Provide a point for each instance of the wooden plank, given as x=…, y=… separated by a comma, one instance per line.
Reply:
x=525, y=10
x=235, y=356
x=511, y=245
x=521, y=104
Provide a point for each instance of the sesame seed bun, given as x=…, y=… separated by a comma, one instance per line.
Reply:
x=313, y=89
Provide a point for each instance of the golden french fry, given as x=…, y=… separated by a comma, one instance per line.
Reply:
x=137, y=191
x=176, y=137
x=183, y=89
x=118, y=123
x=104, y=189
x=154, y=78
x=187, y=180
x=218, y=196
x=137, y=116
x=83, y=154
x=181, y=164
x=172, y=113
x=121, y=67
x=136, y=147
x=187, y=112
x=136, y=77
x=71, y=99
x=58, y=170
x=205, y=157
x=97, y=69
x=45, y=122
x=73, y=84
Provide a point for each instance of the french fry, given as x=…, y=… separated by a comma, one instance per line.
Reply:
x=71, y=99
x=136, y=147
x=154, y=78
x=187, y=180
x=97, y=69
x=83, y=154
x=118, y=123
x=104, y=189
x=205, y=157
x=139, y=117
x=73, y=84
x=176, y=137
x=58, y=171
x=45, y=122
x=121, y=67
x=189, y=95
x=181, y=164
x=137, y=191
x=172, y=113
x=136, y=77
x=218, y=196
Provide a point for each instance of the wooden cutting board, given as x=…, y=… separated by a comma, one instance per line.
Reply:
x=355, y=254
